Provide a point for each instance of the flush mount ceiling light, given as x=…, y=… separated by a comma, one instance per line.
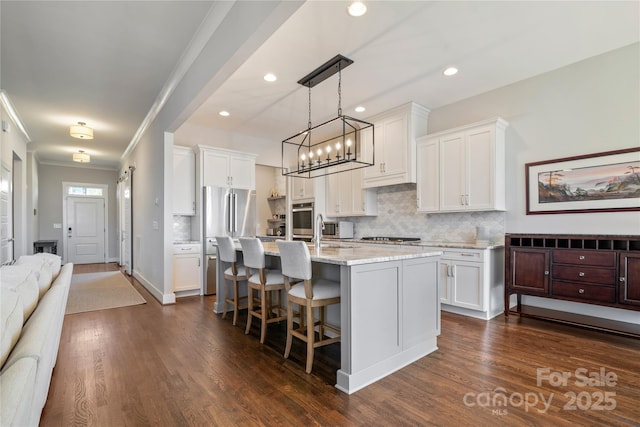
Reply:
x=360, y=109
x=81, y=130
x=357, y=8
x=451, y=71
x=270, y=77
x=338, y=145
x=81, y=157
x=224, y=113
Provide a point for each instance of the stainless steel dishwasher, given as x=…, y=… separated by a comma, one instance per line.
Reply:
x=210, y=274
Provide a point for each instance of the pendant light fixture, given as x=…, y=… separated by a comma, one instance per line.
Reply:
x=81, y=157
x=81, y=130
x=338, y=145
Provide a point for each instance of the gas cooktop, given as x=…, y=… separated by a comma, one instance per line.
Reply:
x=392, y=239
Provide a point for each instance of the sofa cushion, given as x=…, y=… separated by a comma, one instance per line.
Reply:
x=21, y=279
x=17, y=386
x=41, y=269
x=10, y=322
x=52, y=260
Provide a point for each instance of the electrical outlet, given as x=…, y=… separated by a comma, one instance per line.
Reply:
x=155, y=225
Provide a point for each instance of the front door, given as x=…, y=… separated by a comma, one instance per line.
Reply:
x=85, y=233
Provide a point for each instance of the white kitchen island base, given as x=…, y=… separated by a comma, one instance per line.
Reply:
x=389, y=313
x=390, y=317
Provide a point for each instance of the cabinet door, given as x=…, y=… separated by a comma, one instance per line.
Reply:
x=186, y=272
x=216, y=169
x=184, y=185
x=629, y=278
x=452, y=172
x=333, y=193
x=445, y=282
x=467, y=289
x=377, y=154
x=480, y=167
x=242, y=173
x=529, y=271
x=394, y=150
x=302, y=188
x=428, y=176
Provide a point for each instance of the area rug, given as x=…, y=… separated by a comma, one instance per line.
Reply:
x=99, y=291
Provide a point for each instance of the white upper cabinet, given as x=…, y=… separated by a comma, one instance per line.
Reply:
x=184, y=181
x=463, y=169
x=394, y=134
x=345, y=196
x=227, y=168
x=302, y=189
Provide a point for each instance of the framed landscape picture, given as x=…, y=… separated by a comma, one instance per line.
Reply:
x=600, y=182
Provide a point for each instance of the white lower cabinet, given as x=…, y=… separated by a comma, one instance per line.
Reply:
x=187, y=267
x=471, y=281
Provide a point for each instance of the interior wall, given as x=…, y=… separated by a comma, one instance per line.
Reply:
x=50, y=178
x=33, y=227
x=588, y=107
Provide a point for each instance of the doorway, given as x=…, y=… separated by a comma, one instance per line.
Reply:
x=6, y=216
x=84, y=223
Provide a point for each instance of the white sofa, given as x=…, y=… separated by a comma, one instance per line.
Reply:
x=33, y=299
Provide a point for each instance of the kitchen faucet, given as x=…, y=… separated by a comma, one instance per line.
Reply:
x=317, y=230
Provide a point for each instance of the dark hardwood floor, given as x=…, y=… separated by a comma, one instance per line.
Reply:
x=182, y=365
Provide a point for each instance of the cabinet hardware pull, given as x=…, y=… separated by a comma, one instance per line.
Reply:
x=621, y=279
x=581, y=274
x=581, y=291
x=546, y=273
x=581, y=257
x=462, y=199
x=467, y=254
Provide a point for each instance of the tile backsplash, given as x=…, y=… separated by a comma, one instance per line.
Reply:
x=397, y=217
x=181, y=228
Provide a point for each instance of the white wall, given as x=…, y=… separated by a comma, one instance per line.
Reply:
x=243, y=27
x=33, y=227
x=588, y=107
x=50, y=178
x=13, y=147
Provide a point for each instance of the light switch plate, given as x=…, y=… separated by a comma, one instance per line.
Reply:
x=56, y=225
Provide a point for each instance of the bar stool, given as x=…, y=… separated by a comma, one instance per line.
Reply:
x=264, y=280
x=236, y=272
x=308, y=293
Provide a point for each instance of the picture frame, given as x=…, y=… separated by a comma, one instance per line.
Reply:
x=599, y=182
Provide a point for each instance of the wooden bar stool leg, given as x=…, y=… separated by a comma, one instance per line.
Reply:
x=249, y=309
x=224, y=298
x=287, y=348
x=310, y=337
x=235, y=302
x=263, y=323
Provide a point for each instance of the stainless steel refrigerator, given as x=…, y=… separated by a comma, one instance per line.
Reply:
x=226, y=212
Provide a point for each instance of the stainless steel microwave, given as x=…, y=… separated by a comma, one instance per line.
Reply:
x=338, y=230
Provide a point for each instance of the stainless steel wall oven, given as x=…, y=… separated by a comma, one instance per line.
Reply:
x=302, y=221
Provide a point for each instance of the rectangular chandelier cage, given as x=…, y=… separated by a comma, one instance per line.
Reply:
x=338, y=145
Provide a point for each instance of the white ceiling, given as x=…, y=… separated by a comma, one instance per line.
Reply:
x=399, y=49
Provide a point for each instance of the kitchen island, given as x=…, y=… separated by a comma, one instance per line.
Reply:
x=389, y=311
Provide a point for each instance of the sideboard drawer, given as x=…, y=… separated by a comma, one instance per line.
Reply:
x=600, y=276
x=591, y=258
x=584, y=291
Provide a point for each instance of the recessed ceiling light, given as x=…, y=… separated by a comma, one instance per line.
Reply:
x=450, y=71
x=360, y=109
x=357, y=8
x=270, y=77
x=224, y=113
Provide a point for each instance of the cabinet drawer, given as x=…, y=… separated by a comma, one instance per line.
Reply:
x=591, y=258
x=584, y=291
x=462, y=254
x=186, y=248
x=600, y=276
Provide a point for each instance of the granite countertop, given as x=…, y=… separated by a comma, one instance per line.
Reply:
x=341, y=253
x=436, y=244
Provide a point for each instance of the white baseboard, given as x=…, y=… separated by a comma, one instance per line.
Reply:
x=161, y=297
